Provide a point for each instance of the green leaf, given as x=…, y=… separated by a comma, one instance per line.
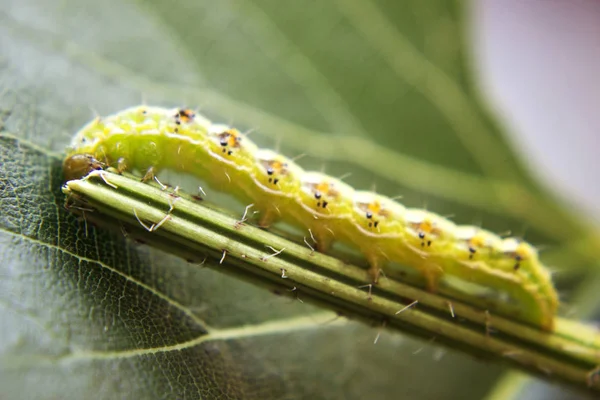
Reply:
x=382, y=90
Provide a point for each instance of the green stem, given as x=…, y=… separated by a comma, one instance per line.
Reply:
x=193, y=231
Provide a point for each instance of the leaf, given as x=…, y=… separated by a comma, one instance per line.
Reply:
x=379, y=89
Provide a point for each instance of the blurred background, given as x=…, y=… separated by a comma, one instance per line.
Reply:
x=484, y=110
x=539, y=63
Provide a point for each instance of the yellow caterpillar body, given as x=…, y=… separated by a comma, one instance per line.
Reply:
x=150, y=139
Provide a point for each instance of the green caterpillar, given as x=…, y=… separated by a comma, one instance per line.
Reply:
x=151, y=139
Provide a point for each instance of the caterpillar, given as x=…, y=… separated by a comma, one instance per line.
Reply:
x=151, y=139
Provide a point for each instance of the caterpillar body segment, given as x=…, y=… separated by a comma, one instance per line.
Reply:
x=524, y=259
x=278, y=180
x=323, y=205
x=150, y=139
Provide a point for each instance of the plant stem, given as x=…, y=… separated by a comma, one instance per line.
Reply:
x=177, y=224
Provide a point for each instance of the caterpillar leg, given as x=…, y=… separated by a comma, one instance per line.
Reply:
x=432, y=273
x=374, y=267
x=267, y=217
x=324, y=244
x=122, y=165
x=322, y=237
x=149, y=175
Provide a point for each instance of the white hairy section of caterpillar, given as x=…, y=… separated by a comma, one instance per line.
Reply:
x=154, y=138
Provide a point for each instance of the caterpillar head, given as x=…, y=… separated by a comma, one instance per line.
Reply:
x=378, y=214
x=325, y=196
x=79, y=165
x=276, y=172
x=426, y=229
